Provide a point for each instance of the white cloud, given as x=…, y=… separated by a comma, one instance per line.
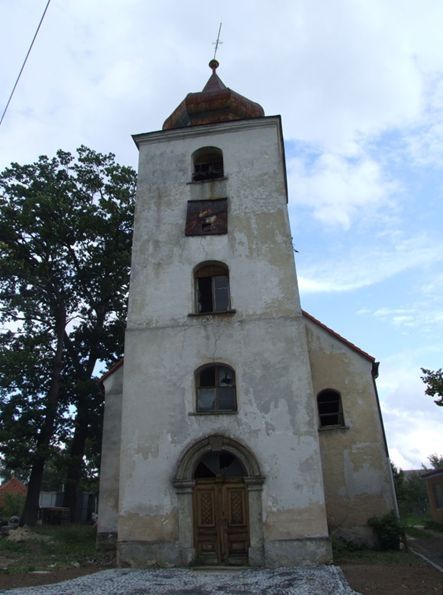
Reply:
x=418, y=316
x=360, y=267
x=425, y=144
x=337, y=189
x=339, y=72
x=413, y=423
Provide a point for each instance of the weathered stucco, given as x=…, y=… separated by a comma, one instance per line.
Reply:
x=153, y=436
x=261, y=340
x=148, y=527
x=356, y=467
x=110, y=461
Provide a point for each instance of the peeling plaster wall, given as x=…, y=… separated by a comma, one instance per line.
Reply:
x=355, y=465
x=110, y=460
x=264, y=341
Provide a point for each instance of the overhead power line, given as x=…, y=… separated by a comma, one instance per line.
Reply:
x=24, y=62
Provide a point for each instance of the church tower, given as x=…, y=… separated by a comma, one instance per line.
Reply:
x=219, y=452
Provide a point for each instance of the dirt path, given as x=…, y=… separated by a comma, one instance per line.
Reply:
x=32, y=579
x=380, y=579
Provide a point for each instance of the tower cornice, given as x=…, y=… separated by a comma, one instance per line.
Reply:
x=205, y=129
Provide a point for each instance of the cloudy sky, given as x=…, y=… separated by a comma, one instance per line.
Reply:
x=359, y=85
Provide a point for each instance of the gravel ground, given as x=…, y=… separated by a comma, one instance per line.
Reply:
x=327, y=580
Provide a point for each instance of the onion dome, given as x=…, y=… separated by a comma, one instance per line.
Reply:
x=216, y=103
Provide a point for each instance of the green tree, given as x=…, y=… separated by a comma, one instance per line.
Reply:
x=436, y=461
x=434, y=384
x=399, y=479
x=65, y=239
x=410, y=490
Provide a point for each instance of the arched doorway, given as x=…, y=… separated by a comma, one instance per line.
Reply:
x=219, y=487
x=220, y=507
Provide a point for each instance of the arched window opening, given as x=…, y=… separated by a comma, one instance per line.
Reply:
x=212, y=288
x=330, y=409
x=220, y=463
x=208, y=164
x=216, y=392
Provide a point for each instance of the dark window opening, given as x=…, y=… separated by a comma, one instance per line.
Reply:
x=207, y=217
x=330, y=409
x=219, y=464
x=212, y=288
x=216, y=389
x=208, y=164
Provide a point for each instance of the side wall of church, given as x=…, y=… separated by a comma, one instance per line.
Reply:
x=356, y=468
x=261, y=341
x=110, y=461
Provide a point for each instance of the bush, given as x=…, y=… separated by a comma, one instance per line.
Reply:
x=12, y=506
x=388, y=531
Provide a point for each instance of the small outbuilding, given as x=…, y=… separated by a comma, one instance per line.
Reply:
x=12, y=486
x=434, y=485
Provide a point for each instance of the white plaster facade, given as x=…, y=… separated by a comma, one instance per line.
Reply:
x=154, y=437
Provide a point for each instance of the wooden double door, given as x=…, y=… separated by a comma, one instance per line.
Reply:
x=221, y=521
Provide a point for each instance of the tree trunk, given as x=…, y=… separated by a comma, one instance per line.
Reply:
x=71, y=497
x=30, y=511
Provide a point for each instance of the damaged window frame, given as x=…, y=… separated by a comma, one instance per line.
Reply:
x=207, y=164
x=211, y=288
x=330, y=409
x=217, y=387
x=207, y=217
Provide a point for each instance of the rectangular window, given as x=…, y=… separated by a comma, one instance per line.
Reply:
x=207, y=217
x=221, y=293
x=213, y=294
x=215, y=386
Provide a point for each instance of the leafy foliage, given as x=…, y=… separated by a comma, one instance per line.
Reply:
x=66, y=232
x=12, y=506
x=388, y=531
x=434, y=384
x=436, y=461
x=411, y=492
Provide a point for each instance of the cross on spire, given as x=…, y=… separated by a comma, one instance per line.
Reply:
x=217, y=42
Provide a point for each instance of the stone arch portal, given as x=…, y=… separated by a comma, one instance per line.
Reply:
x=185, y=483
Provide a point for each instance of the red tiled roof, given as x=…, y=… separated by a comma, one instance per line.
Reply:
x=118, y=364
x=13, y=486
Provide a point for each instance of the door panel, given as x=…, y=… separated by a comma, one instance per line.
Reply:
x=236, y=529
x=221, y=523
x=206, y=524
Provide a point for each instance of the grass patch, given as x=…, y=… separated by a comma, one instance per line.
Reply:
x=411, y=520
x=345, y=552
x=66, y=546
x=368, y=556
x=419, y=525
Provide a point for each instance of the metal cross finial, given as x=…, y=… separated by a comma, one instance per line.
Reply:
x=218, y=42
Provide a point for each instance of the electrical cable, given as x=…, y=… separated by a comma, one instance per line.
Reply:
x=24, y=62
